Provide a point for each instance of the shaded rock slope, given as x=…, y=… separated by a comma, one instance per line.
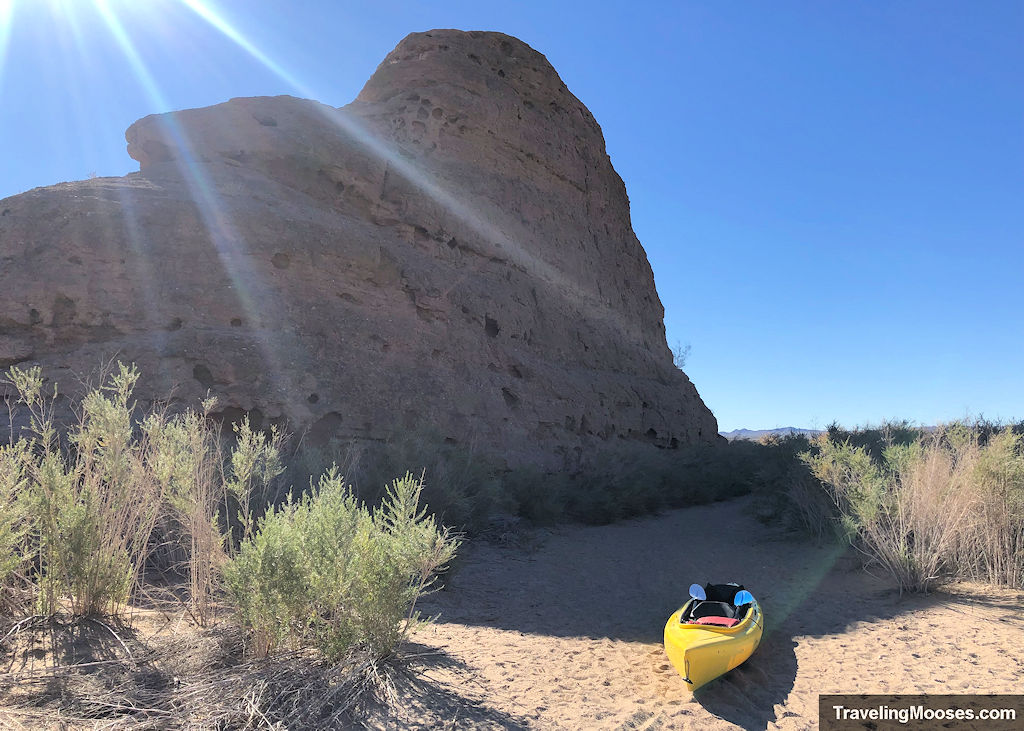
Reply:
x=451, y=251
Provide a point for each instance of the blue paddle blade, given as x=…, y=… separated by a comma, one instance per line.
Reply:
x=697, y=592
x=743, y=597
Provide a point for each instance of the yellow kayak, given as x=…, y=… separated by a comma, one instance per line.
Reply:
x=715, y=631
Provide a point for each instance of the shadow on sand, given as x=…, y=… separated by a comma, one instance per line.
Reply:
x=622, y=581
x=426, y=696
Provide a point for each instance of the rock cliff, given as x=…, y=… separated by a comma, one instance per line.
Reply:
x=451, y=251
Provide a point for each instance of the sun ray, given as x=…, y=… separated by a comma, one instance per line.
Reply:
x=481, y=224
x=204, y=11
x=230, y=246
x=6, y=23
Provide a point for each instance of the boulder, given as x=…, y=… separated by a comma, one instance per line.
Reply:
x=450, y=252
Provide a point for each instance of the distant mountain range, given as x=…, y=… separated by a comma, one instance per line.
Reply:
x=754, y=434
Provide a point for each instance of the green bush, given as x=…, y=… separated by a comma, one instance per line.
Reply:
x=946, y=505
x=329, y=572
x=994, y=549
x=79, y=518
x=463, y=492
x=14, y=524
x=538, y=496
x=185, y=460
x=89, y=510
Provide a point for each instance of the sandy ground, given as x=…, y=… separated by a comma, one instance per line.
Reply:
x=564, y=631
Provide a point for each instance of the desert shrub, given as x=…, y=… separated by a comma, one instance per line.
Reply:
x=536, y=495
x=185, y=458
x=327, y=571
x=635, y=479
x=254, y=468
x=786, y=494
x=874, y=439
x=464, y=490
x=908, y=510
x=993, y=549
x=706, y=473
x=90, y=509
x=85, y=512
x=14, y=522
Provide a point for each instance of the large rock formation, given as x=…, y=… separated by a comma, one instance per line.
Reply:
x=452, y=250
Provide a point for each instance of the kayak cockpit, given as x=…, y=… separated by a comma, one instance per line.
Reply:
x=717, y=607
x=716, y=630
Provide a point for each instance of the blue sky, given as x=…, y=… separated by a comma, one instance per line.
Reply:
x=831, y=194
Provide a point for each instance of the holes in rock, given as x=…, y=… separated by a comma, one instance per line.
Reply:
x=474, y=58
x=421, y=233
x=313, y=398
x=75, y=259
x=491, y=327
x=6, y=211
x=339, y=186
x=437, y=113
x=515, y=372
x=506, y=48
x=324, y=428
x=527, y=103
x=674, y=443
x=452, y=243
x=511, y=400
x=34, y=317
x=236, y=322
x=281, y=260
x=175, y=324
x=266, y=120
x=651, y=433
x=501, y=73
x=413, y=98
x=202, y=374
x=418, y=126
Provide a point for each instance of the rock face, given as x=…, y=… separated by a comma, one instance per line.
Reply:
x=450, y=251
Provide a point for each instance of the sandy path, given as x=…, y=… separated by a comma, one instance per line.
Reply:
x=566, y=632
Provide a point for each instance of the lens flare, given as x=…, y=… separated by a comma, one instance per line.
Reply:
x=229, y=244
x=6, y=21
x=481, y=224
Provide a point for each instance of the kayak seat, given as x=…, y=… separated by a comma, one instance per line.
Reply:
x=705, y=608
x=717, y=621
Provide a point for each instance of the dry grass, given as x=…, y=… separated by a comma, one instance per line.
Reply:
x=948, y=505
x=160, y=671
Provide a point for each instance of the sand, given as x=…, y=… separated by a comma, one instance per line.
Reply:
x=564, y=631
